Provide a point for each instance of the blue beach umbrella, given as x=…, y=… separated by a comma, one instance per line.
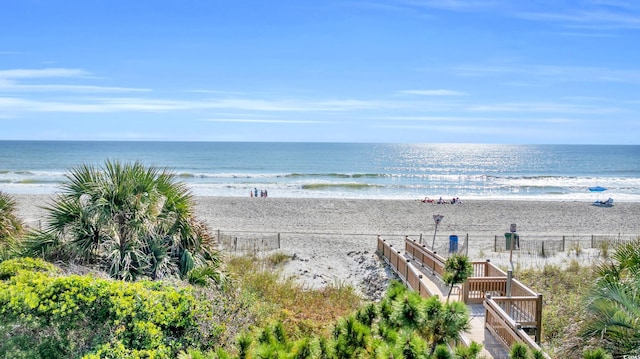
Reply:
x=597, y=189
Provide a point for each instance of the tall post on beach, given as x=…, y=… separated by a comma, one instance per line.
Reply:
x=437, y=218
x=512, y=238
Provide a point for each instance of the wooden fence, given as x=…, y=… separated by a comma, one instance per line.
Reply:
x=247, y=242
x=548, y=246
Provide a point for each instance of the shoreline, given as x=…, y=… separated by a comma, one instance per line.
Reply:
x=392, y=216
x=334, y=240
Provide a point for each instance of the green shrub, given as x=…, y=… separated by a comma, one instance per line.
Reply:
x=11, y=267
x=46, y=315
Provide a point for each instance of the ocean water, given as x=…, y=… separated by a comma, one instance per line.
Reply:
x=345, y=170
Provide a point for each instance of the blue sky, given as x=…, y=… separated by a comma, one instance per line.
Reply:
x=410, y=71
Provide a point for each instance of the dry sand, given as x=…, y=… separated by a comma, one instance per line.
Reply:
x=334, y=240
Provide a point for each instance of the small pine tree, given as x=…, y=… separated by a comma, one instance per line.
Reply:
x=442, y=352
x=471, y=352
x=596, y=354
x=244, y=342
x=457, y=269
x=519, y=351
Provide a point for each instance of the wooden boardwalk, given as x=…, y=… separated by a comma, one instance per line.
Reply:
x=497, y=321
x=491, y=348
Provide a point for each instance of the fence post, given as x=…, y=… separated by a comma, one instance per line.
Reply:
x=466, y=243
x=563, y=240
x=420, y=238
x=592, y=241
x=278, y=240
x=495, y=243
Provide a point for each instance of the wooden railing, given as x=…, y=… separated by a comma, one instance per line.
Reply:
x=409, y=274
x=505, y=328
x=509, y=318
x=426, y=258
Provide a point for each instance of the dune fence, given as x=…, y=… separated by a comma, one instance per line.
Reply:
x=549, y=246
x=247, y=242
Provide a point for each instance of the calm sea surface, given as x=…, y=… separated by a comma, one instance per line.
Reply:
x=343, y=170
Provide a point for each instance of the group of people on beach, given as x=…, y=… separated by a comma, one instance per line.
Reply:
x=254, y=193
x=454, y=200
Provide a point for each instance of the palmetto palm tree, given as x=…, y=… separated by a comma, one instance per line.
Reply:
x=614, y=303
x=10, y=226
x=127, y=219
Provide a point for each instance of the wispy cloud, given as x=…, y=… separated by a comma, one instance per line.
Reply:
x=7, y=86
x=434, y=118
x=452, y=5
x=544, y=107
x=421, y=7
x=41, y=73
x=135, y=104
x=248, y=120
x=590, y=15
x=586, y=14
x=12, y=81
x=433, y=92
x=553, y=72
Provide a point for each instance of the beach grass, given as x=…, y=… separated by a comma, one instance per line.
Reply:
x=304, y=311
x=563, y=290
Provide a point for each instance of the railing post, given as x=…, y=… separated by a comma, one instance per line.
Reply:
x=433, y=263
x=539, y=319
x=486, y=267
x=465, y=291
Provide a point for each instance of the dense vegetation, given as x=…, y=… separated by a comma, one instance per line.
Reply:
x=11, y=226
x=46, y=313
x=125, y=219
x=591, y=312
x=156, y=289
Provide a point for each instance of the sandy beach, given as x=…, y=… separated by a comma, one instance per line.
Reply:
x=334, y=240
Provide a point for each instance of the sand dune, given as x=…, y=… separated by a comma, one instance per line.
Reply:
x=334, y=240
